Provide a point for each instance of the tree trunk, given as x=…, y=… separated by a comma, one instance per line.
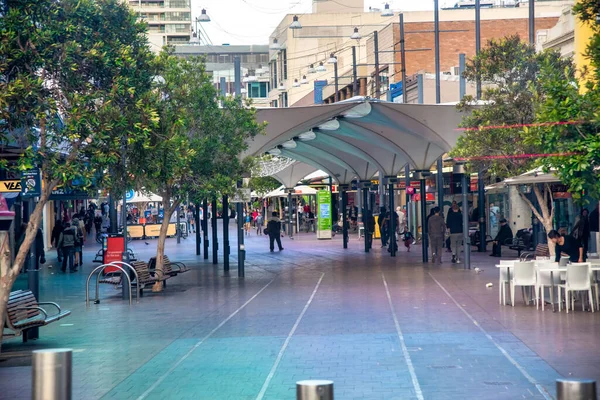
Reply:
x=8, y=272
x=546, y=216
x=160, y=249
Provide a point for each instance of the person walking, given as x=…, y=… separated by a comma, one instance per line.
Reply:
x=436, y=228
x=79, y=241
x=454, y=223
x=66, y=242
x=581, y=231
x=259, y=224
x=274, y=231
x=503, y=235
x=383, y=222
x=56, y=231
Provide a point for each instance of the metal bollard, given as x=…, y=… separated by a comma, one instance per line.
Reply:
x=575, y=389
x=314, y=390
x=52, y=374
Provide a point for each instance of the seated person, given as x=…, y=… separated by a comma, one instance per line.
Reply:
x=503, y=235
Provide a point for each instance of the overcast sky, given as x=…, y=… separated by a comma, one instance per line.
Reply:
x=251, y=21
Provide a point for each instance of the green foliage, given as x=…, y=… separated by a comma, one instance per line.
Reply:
x=264, y=184
x=196, y=146
x=509, y=69
x=572, y=110
x=73, y=76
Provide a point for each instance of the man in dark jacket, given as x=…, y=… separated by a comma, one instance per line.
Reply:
x=274, y=229
x=56, y=231
x=503, y=235
x=66, y=242
x=454, y=223
x=436, y=229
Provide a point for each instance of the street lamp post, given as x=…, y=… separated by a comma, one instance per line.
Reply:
x=436, y=33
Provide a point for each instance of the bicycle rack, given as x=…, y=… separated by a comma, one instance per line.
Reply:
x=87, y=285
x=137, y=280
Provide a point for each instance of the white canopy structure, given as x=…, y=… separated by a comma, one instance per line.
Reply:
x=292, y=174
x=359, y=137
x=534, y=176
x=297, y=191
x=142, y=198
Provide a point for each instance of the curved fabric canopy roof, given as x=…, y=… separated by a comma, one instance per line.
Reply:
x=292, y=174
x=357, y=138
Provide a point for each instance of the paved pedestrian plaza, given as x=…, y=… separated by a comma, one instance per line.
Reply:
x=379, y=327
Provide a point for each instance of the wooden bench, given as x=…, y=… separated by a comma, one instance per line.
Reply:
x=148, y=277
x=516, y=244
x=170, y=268
x=23, y=312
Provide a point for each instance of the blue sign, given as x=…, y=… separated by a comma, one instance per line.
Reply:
x=129, y=195
x=319, y=85
x=147, y=213
x=161, y=213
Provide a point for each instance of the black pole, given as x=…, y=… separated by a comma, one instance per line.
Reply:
x=478, y=42
x=424, y=233
x=336, y=96
x=178, y=230
x=198, y=228
x=465, y=213
x=376, y=51
x=531, y=22
x=365, y=218
x=215, y=245
x=344, y=193
x=354, y=73
x=440, y=184
x=393, y=219
x=240, y=235
x=112, y=214
x=436, y=29
x=290, y=217
x=481, y=206
x=403, y=59
x=226, y=233
x=237, y=72
x=205, y=227
x=407, y=196
x=33, y=272
x=461, y=70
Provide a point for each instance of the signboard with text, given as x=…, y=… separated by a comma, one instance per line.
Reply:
x=31, y=183
x=113, y=251
x=324, y=214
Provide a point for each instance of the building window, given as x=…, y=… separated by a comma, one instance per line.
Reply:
x=258, y=90
x=284, y=58
x=178, y=16
x=177, y=3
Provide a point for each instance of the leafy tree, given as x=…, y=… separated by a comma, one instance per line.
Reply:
x=72, y=76
x=570, y=118
x=510, y=69
x=196, y=146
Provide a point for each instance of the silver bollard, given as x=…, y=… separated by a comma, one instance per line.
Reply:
x=52, y=374
x=314, y=390
x=575, y=389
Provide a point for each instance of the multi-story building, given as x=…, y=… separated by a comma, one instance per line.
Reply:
x=330, y=27
x=169, y=21
x=219, y=64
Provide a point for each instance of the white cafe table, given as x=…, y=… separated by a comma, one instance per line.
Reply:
x=595, y=267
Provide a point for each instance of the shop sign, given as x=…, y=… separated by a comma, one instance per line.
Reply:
x=31, y=183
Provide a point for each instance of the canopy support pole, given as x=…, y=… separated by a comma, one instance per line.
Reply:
x=393, y=217
x=424, y=230
x=226, y=233
x=215, y=246
x=344, y=194
x=205, y=227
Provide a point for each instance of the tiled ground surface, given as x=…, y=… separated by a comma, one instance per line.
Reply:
x=312, y=311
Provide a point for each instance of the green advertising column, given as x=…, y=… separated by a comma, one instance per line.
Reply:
x=324, y=214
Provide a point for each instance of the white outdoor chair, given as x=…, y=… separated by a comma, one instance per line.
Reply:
x=578, y=280
x=543, y=280
x=523, y=274
x=503, y=280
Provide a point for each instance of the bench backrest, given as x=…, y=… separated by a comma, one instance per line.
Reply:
x=21, y=298
x=542, y=250
x=167, y=269
x=142, y=271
